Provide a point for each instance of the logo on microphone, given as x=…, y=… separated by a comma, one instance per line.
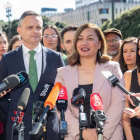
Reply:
x=61, y=94
x=96, y=103
x=46, y=87
x=21, y=77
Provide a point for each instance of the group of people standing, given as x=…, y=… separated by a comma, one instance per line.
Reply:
x=89, y=51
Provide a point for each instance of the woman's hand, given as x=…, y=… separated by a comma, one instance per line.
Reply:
x=136, y=114
x=135, y=95
x=89, y=134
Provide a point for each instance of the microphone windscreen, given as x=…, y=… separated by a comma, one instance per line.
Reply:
x=51, y=100
x=11, y=81
x=63, y=94
x=23, y=76
x=22, y=103
x=44, y=94
x=79, y=91
x=96, y=102
x=61, y=102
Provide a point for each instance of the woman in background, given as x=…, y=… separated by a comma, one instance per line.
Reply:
x=3, y=44
x=132, y=84
x=15, y=43
x=85, y=71
x=127, y=58
x=52, y=39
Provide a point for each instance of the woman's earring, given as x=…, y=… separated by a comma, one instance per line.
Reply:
x=100, y=53
x=124, y=63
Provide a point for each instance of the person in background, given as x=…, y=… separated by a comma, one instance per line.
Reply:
x=127, y=57
x=132, y=83
x=67, y=36
x=14, y=43
x=3, y=114
x=114, y=41
x=52, y=39
x=84, y=71
x=3, y=43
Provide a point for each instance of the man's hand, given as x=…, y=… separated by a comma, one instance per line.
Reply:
x=89, y=134
x=4, y=93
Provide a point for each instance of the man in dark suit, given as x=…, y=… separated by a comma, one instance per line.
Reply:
x=40, y=63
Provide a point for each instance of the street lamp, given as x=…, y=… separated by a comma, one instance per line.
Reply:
x=112, y=13
x=8, y=14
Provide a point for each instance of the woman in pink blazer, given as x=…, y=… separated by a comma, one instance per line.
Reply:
x=86, y=65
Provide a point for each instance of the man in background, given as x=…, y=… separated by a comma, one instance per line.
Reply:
x=67, y=36
x=114, y=41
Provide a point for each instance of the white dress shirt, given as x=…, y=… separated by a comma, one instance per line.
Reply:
x=37, y=56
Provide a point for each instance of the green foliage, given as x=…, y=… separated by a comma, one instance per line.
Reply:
x=127, y=22
x=4, y=26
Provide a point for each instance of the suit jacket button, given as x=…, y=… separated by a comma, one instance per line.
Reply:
x=34, y=96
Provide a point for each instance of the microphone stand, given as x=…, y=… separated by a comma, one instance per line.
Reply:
x=63, y=125
x=82, y=119
x=99, y=117
x=20, y=128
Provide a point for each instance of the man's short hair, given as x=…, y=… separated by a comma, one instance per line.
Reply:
x=28, y=13
x=113, y=30
x=69, y=28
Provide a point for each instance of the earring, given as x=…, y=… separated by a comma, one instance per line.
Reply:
x=124, y=63
x=100, y=53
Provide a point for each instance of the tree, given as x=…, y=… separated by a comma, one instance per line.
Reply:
x=127, y=22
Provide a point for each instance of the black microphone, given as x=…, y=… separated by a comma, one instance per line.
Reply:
x=9, y=82
x=23, y=76
x=39, y=107
x=22, y=103
x=61, y=105
x=78, y=100
x=115, y=82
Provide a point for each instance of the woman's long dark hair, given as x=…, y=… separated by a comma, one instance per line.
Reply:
x=138, y=57
x=57, y=32
x=123, y=65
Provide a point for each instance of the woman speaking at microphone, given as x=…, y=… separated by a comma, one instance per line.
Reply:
x=84, y=71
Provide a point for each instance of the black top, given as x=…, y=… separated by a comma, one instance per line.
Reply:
x=135, y=122
x=88, y=90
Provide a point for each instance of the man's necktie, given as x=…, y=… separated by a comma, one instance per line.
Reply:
x=33, y=76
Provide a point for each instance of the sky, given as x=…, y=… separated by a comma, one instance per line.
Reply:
x=19, y=6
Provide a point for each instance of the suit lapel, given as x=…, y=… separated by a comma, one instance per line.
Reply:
x=99, y=79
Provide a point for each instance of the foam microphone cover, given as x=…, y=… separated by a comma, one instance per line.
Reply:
x=51, y=100
x=22, y=103
x=79, y=91
x=11, y=81
x=23, y=76
x=96, y=102
x=61, y=102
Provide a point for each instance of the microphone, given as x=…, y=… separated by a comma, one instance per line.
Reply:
x=9, y=82
x=115, y=82
x=22, y=103
x=61, y=105
x=78, y=100
x=38, y=109
x=37, y=130
x=13, y=80
x=23, y=76
x=98, y=115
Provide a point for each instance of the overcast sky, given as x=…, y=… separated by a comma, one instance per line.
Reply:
x=19, y=6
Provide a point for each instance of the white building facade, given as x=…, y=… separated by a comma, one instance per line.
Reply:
x=95, y=13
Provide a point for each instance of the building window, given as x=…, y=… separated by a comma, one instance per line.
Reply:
x=103, y=11
x=116, y=11
x=120, y=10
x=103, y=20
